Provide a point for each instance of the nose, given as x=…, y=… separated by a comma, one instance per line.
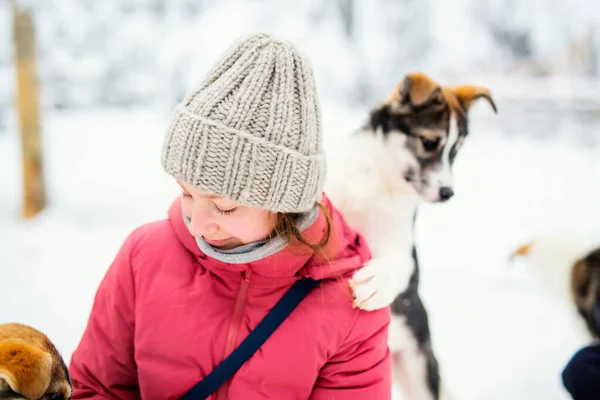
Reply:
x=445, y=193
x=201, y=223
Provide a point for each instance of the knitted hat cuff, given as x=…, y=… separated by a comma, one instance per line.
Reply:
x=248, y=169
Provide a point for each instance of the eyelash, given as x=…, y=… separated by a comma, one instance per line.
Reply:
x=217, y=209
x=224, y=212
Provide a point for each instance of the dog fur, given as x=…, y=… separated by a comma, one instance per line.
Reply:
x=377, y=177
x=585, y=289
x=30, y=366
x=568, y=265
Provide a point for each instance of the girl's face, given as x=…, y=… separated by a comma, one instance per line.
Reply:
x=222, y=222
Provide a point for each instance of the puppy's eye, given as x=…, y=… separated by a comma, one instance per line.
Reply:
x=430, y=145
x=56, y=396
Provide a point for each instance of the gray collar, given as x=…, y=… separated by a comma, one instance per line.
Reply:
x=257, y=250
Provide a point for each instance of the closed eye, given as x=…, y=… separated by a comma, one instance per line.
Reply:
x=224, y=212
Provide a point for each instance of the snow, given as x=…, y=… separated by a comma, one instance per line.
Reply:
x=131, y=52
x=497, y=332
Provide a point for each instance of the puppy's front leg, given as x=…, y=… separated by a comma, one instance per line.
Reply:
x=378, y=283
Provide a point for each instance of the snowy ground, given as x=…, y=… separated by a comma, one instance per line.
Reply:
x=497, y=333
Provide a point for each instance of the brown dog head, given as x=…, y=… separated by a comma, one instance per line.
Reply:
x=426, y=124
x=585, y=289
x=30, y=366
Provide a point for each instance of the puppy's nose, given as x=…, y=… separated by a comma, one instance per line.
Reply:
x=445, y=193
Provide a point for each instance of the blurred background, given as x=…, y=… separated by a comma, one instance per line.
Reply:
x=110, y=72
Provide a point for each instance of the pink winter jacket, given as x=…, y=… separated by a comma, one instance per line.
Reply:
x=165, y=315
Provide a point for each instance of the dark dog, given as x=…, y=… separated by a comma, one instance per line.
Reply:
x=585, y=286
x=569, y=266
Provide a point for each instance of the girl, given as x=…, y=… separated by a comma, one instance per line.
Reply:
x=183, y=293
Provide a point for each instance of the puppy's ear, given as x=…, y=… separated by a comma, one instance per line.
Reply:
x=417, y=90
x=380, y=118
x=24, y=369
x=522, y=251
x=467, y=95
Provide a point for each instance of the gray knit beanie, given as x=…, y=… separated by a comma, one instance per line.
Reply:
x=251, y=131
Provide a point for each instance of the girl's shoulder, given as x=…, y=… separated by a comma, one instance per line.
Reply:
x=330, y=306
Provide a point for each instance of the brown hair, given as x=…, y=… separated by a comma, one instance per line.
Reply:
x=285, y=227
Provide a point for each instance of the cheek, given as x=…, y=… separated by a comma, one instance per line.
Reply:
x=187, y=206
x=405, y=160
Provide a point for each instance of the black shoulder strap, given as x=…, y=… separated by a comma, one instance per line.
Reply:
x=252, y=343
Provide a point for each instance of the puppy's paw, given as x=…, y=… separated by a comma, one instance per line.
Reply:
x=377, y=284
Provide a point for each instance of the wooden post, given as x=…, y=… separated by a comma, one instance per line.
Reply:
x=34, y=191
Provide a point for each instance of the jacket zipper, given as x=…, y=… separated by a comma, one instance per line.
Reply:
x=234, y=327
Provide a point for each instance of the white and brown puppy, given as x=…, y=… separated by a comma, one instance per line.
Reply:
x=569, y=266
x=30, y=366
x=377, y=177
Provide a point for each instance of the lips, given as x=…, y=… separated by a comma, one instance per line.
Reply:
x=216, y=242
